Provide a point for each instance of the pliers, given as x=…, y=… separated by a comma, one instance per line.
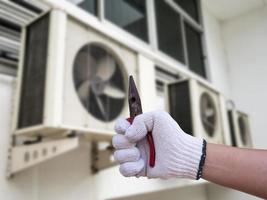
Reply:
x=135, y=108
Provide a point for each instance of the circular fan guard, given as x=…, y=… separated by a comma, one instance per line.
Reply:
x=243, y=129
x=208, y=114
x=99, y=82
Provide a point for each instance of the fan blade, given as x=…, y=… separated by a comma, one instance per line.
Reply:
x=83, y=90
x=208, y=123
x=113, y=92
x=86, y=65
x=209, y=112
x=101, y=106
x=106, y=68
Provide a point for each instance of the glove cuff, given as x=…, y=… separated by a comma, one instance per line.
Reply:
x=202, y=160
x=187, y=157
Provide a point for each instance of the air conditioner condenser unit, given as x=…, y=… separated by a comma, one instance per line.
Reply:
x=71, y=77
x=239, y=128
x=197, y=109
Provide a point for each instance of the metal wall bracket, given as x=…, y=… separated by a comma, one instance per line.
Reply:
x=24, y=156
x=101, y=158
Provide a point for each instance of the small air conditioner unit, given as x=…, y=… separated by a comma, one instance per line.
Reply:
x=163, y=77
x=71, y=77
x=239, y=128
x=197, y=109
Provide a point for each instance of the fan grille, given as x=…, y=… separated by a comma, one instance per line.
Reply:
x=34, y=73
x=99, y=81
x=208, y=114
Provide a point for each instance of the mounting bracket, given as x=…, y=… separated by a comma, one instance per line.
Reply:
x=101, y=158
x=24, y=156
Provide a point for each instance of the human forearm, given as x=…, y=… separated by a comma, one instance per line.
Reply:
x=240, y=169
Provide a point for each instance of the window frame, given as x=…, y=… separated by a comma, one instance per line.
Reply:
x=124, y=33
x=198, y=26
x=98, y=10
x=204, y=57
x=112, y=24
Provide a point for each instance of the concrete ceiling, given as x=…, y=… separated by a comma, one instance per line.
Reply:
x=227, y=9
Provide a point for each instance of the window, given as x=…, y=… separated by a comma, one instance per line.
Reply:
x=131, y=15
x=169, y=31
x=87, y=5
x=163, y=78
x=179, y=35
x=189, y=6
x=194, y=50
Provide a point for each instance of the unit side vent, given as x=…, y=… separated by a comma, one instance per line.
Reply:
x=179, y=105
x=34, y=73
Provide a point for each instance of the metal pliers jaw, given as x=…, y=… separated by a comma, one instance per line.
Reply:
x=135, y=108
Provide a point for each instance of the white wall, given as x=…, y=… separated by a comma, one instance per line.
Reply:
x=24, y=187
x=216, y=55
x=245, y=39
x=174, y=194
x=216, y=192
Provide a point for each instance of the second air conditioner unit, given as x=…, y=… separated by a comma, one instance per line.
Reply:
x=197, y=109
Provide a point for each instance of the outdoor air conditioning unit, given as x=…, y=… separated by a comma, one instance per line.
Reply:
x=197, y=109
x=163, y=77
x=71, y=77
x=239, y=128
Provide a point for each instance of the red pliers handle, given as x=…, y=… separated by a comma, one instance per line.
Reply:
x=150, y=140
x=135, y=108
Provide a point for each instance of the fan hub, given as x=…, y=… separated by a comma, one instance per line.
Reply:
x=98, y=85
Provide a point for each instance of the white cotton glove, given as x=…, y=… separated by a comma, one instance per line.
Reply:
x=177, y=153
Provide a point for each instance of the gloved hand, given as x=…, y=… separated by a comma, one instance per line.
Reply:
x=177, y=153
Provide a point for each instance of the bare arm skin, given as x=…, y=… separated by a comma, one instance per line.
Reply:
x=241, y=169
